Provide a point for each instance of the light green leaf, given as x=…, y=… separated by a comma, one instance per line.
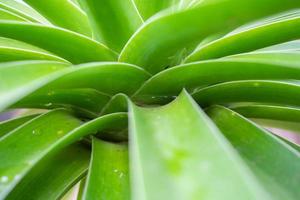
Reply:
x=75, y=84
x=25, y=73
x=104, y=126
x=22, y=148
x=63, y=13
x=149, y=8
x=164, y=40
x=81, y=189
x=200, y=74
x=7, y=15
x=178, y=153
x=45, y=140
x=287, y=46
x=22, y=10
x=108, y=173
x=250, y=91
x=54, y=175
x=84, y=102
x=14, y=50
x=118, y=103
x=9, y=125
x=113, y=22
x=74, y=48
x=250, y=39
x=262, y=150
x=115, y=78
x=274, y=112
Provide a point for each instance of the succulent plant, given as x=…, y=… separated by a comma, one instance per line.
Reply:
x=150, y=99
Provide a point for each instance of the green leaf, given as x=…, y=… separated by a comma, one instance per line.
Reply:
x=115, y=78
x=22, y=148
x=200, y=74
x=84, y=102
x=9, y=125
x=178, y=153
x=14, y=50
x=76, y=84
x=23, y=10
x=19, y=158
x=63, y=13
x=49, y=38
x=287, y=46
x=118, y=103
x=251, y=39
x=113, y=22
x=81, y=189
x=7, y=15
x=164, y=40
x=108, y=173
x=261, y=150
x=26, y=75
x=54, y=175
x=105, y=127
x=274, y=112
x=292, y=144
x=150, y=8
x=250, y=91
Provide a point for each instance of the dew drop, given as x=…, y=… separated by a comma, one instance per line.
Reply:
x=256, y=84
x=121, y=175
x=60, y=132
x=48, y=104
x=35, y=132
x=50, y=93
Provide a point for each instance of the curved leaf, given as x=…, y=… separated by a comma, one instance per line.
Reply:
x=75, y=48
x=113, y=22
x=84, y=102
x=22, y=10
x=250, y=91
x=108, y=173
x=249, y=40
x=164, y=40
x=274, y=112
x=7, y=15
x=170, y=143
x=22, y=148
x=200, y=74
x=25, y=73
x=14, y=50
x=115, y=78
x=286, y=46
x=53, y=175
x=118, y=103
x=63, y=13
x=261, y=150
x=10, y=125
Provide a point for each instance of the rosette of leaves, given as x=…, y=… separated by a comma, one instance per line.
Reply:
x=150, y=99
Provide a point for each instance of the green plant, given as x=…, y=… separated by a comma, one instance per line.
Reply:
x=199, y=80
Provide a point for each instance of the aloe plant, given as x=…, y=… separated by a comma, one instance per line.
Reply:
x=149, y=99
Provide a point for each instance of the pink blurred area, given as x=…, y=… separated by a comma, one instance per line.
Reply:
x=289, y=135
